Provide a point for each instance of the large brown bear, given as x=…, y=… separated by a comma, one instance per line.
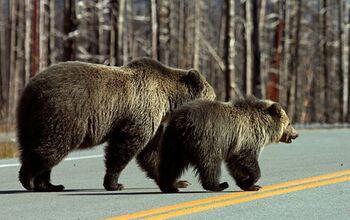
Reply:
x=76, y=105
x=206, y=133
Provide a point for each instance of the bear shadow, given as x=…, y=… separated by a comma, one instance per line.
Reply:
x=123, y=193
x=8, y=192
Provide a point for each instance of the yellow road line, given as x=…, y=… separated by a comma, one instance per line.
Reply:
x=228, y=196
x=248, y=198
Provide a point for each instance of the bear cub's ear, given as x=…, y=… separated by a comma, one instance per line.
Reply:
x=194, y=80
x=275, y=110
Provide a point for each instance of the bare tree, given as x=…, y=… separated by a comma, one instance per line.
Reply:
x=52, y=32
x=154, y=25
x=230, y=52
x=342, y=95
x=249, y=46
x=181, y=34
x=258, y=87
x=43, y=33
x=197, y=33
x=324, y=59
x=113, y=50
x=295, y=101
x=28, y=39
x=13, y=73
x=69, y=30
x=163, y=21
x=3, y=81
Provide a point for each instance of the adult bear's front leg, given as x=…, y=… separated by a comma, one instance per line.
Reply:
x=121, y=148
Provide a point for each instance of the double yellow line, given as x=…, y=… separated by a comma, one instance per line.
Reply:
x=237, y=197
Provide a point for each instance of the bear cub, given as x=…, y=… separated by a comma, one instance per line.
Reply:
x=205, y=133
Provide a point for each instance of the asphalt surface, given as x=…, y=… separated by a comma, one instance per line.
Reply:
x=314, y=153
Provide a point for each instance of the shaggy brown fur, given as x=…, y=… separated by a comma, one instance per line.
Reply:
x=205, y=133
x=76, y=105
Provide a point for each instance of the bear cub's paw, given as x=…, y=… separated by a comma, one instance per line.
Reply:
x=252, y=188
x=114, y=187
x=217, y=188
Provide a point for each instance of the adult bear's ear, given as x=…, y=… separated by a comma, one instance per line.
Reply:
x=194, y=80
x=275, y=110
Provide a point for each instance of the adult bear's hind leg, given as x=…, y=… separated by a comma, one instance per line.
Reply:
x=36, y=168
x=42, y=183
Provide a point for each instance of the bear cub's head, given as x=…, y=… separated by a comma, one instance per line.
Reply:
x=287, y=132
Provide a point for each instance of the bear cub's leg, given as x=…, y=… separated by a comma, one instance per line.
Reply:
x=171, y=166
x=148, y=161
x=245, y=171
x=209, y=175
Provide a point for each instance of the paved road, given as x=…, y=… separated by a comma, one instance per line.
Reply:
x=315, y=153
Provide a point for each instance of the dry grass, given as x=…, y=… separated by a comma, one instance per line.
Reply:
x=8, y=149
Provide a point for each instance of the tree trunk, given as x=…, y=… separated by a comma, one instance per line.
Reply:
x=181, y=35
x=43, y=34
x=197, y=33
x=283, y=79
x=154, y=25
x=27, y=40
x=263, y=58
x=3, y=81
x=121, y=34
x=230, y=52
x=113, y=49
x=297, y=86
x=348, y=66
x=258, y=88
x=69, y=26
x=13, y=43
x=324, y=61
x=52, y=33
x=341, y=73
x=163, y=20
x=249, y=46
x=101, y=7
